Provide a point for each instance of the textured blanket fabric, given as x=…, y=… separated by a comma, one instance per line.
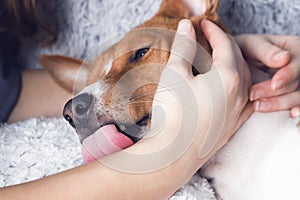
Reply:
x=39, y=147
x=36, y=148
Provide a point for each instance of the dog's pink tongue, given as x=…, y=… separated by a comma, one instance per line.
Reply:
x=104, y=141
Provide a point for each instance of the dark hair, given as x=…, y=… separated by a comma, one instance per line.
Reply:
x=22, y=19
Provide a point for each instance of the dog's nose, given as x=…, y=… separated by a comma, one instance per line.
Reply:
x=77, y=108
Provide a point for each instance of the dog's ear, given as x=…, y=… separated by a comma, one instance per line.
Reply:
x=205, y=8
x=69, y=73
x=189, y=8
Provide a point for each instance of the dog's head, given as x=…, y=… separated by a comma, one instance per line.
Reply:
x=115, y=92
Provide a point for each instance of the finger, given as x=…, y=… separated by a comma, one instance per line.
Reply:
x=285, y=75
x=224, y=50
x=227, y=57
x=295, y=111
x=216, y=37
x=262, y=52
x=264, y=90
x=183, y=49
x=283, y=102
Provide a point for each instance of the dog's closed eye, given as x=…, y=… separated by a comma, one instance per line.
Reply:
x=139, y=54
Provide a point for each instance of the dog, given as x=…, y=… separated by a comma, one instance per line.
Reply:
x=102, y=112
x=149, y=43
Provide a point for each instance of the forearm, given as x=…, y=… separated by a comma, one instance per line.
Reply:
x=77, y=183
x=96, y=181
x=40, y=96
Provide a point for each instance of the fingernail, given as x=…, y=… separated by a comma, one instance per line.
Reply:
x=262, y=106
x=278, y=56
x=277, y=85
x=296, y=112
x=254, y=95
x=185, y=27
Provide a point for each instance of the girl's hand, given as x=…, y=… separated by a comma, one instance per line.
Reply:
x=193, y=116
x=283, y=54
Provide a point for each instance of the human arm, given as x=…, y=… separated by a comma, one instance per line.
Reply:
x=40, y=96
x=281, y=53
x=97, y=181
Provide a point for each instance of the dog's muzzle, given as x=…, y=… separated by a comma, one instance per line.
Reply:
x=76, y=110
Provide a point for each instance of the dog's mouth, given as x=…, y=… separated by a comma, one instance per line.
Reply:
x=104, y=141
x=112, y=137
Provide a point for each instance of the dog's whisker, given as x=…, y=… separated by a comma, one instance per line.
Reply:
x=141, y=99
x=138, y=102
x=137, y=97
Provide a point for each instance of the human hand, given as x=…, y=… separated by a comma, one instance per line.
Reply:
x=283, y=54
x=197, y=113
x=192, y=117
x=234, y=76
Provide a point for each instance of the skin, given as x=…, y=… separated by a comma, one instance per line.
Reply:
x=97, y=180
x=281, y=92
x=40, y=96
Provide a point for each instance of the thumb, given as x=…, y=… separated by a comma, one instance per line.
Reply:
x=216, y=37
x=222, y=46
x=183, y=49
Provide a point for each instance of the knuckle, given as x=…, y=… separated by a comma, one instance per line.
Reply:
x=232, y=81
x=235, y=76
x=269, y=105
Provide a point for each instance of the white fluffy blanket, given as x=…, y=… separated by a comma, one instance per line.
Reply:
x=39, y=147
